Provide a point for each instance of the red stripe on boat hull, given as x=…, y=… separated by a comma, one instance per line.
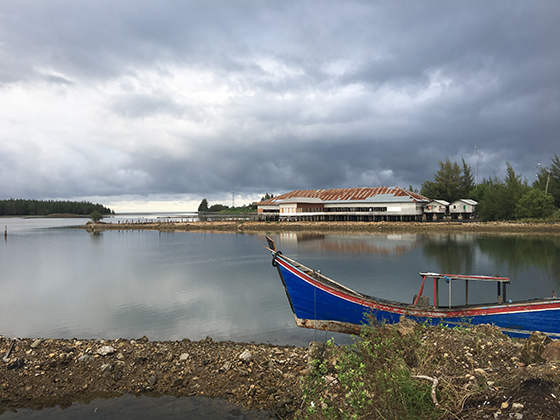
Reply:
x=442, y=314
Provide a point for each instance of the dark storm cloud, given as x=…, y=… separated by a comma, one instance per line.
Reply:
x=195, y=98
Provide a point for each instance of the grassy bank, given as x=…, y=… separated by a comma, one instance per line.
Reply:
x=413, y=372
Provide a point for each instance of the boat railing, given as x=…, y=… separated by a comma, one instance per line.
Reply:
x=449, y=278
x=500, y=281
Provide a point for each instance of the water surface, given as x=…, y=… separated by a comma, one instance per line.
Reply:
x=129, y=407
x=59, y=282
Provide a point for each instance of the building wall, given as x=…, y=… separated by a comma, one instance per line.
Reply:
x=290, y=208
x=435, y=208
x=461, y=207
x=383, y=204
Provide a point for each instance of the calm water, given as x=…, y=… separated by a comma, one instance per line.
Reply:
x=59, y=282
x=129, y=407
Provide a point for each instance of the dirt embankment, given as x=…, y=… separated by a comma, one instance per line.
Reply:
x=42, y=373
x=333, y=227
x=481, y=373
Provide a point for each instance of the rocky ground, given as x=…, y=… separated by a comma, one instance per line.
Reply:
x=38, y=373
x=481, y=373
x=484, y=374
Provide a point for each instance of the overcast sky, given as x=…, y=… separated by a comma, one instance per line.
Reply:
x=155, y=105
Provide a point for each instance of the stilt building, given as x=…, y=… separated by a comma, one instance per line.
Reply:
x=347, y=204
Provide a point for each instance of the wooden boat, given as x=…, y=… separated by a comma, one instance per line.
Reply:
x=320, y=303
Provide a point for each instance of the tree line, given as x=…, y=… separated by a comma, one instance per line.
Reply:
x=21, y=207
x=512, y=198
x=508, y=199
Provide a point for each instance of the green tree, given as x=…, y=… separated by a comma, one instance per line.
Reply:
x=500, y=199
x=20, y=207
x=203, y=205
x=535, y=204
x=450, y=183
x=477, y=193
x=489, y=207
x=548, y=179
x=95, y=216
x=467, y=181
x=515, y=185
x=217, y=208
x=267, y=196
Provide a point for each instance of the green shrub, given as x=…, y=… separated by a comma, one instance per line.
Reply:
x=374, y=380
x=95, y=216
x=535, y=204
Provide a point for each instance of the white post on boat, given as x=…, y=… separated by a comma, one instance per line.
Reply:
x=436, y=292
x=450, y=293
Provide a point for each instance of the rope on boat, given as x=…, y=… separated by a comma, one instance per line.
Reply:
x=315, y=310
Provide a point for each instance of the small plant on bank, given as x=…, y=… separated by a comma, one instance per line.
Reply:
x=95, y=216
x=316, y=399
x=373, y=380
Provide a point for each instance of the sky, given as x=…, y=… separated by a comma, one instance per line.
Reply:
x=154, y=105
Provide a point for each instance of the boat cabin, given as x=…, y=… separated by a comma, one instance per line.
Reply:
x=420, y=300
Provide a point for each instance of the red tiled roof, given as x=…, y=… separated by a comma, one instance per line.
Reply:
x=344, y=194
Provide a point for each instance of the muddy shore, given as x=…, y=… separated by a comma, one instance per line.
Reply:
x=40, y=373
x=481, y=373
x=335, y=227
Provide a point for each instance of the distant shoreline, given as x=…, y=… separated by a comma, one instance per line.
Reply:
x=332, y=227
x=49, y=216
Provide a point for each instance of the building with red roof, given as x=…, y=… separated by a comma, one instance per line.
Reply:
x=345, y=204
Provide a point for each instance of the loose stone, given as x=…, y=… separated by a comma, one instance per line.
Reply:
x=246, y=356
x=105, y=350
x=36, y=343
x=106, y=368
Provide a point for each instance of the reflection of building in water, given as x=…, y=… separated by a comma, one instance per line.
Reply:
x=353, y=244
x=378, y=244
x=456, y=238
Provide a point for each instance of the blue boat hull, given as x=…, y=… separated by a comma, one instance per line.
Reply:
x=320, y=303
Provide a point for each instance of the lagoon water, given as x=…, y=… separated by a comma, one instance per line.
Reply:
x=59, y=282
